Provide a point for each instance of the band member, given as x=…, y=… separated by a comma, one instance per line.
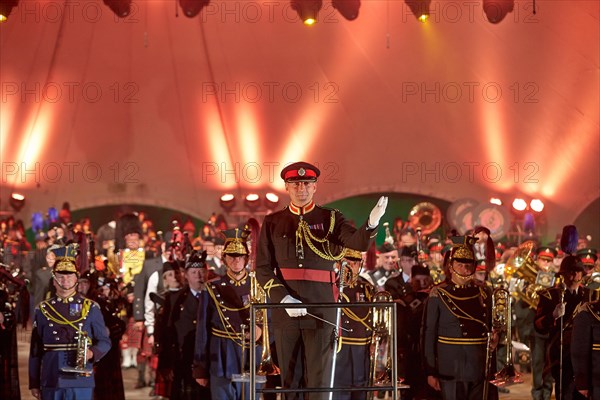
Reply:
x=109, y=379
x=294, y=265
x=456, y=326
x=178, y=325
x=585, y=350
x=59, y=325
x=554, y=318
x=591, y=279
x=541, y=385
x=353, y=357
x=9, y=362
x=224, y=307
x=387, y=265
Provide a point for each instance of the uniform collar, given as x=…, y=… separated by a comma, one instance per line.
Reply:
x=67, y=299
x=302, y=210
x=239, y=282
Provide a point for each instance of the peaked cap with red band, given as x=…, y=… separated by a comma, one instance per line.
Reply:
x=300, y=172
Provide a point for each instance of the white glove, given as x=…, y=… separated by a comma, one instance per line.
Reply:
x=377, y=212
x=559, y=311
x=294, y=312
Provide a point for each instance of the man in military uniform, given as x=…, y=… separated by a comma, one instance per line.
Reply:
x=585, y=350
x=591, y=279
x=178, y=332
x=541, y=385
x=224, y=307
x=296, y=251
x=387, y=265
x=58, y=324
x=556, y=304
x=352, y=364
x=457, y=322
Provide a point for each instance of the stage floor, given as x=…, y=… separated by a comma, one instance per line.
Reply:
x=517, y=392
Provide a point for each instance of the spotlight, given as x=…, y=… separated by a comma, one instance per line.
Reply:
x=17, y=201
x=121, y=8
x=496, y=201
x=6, y=7
x=191, y=8
x=251, y=201
x=536, y=205
x=227, y=202
x=307, y=10
x=348, y=8
x=419, y=8
x=519, y=204
x=496, y=10
x=271, y=201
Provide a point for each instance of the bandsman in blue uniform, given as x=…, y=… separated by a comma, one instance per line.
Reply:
x=296, y=251
x=224, y=308
x=353, y=356
x=457, y=321
x=585, y=350
x=58, y=323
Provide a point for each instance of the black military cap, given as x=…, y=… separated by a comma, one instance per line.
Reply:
x=300, y=172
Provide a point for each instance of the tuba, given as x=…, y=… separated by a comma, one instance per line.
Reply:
x=83, y=343
x=530, y=280
x=426, y=216
x=258, y=296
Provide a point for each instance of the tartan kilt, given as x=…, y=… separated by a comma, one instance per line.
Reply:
x=145, y=349
x=162, y=384
x=134, y=336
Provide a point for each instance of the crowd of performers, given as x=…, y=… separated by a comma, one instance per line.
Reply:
x=177, y=308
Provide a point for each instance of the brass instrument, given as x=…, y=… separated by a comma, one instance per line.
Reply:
x=381, y=344
x=426, y=216
x=501, y=322
x=83, y=343
x=258, y=295
x=530, y=280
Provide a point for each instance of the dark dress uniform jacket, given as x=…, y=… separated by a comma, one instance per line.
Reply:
x=281, y=271
x=221, y=311
x=545, y=323
x=456, y=324
x=352, y=366
x=53, y=343
x=585, y=349
x=177, y=341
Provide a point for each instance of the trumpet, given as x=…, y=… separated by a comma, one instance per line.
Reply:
x=83, y=342
x=258, y=296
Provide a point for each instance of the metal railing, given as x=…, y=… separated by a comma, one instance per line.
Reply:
x=394, y=370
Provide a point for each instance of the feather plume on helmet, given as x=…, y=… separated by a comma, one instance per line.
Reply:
x=568, y=244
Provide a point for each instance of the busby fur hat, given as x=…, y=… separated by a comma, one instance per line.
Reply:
x=126, y=224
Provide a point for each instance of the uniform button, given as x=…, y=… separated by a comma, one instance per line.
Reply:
x=462, y=325
x=194, y=322
x=50, y=325
x=299, y=265
x=57, y=339
x=484, y=314
x=54, y=332
x=453, y=308
x=464, y=333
